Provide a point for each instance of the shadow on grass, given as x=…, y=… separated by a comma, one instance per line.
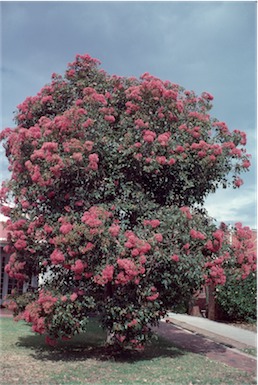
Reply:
x=188, y=341
x=92, y=345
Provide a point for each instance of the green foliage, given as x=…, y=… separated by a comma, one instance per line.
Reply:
x=238, y=298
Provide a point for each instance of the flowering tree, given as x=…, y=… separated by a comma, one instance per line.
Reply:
x=106, y=172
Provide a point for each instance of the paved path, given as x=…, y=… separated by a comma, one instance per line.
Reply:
x=220, y=332
x=203, y=342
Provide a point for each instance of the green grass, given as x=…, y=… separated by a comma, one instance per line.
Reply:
x=250, y=351
x=26, y=360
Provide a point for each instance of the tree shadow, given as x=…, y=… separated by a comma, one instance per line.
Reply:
x=189, y=341
x=83, y=347
x=169, y=341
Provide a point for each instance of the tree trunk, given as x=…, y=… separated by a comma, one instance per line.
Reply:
x=211, y=303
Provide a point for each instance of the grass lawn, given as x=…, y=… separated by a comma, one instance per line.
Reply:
x=26, y=360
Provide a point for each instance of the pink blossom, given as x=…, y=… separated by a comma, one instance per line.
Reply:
x=180, y=106
x=175, y=258
x=91, y=219
x=57, y=257
x=158, y=237
x=145, y=248
x=70, y=73
x=171, y=161
x=186, y=211
x=149, y=136
x=164, y=138
x=99, y=98
x=88, y=145
x=135, y=252
x=94, y=158
x=79, y=203
x=89, y=122
x=77, y=156
x=152, y=297
x=143, y=259
x=120, y=338
x=66, y=228
x=79, y=102
x=207, y=96
x=141, y=124
x=78, y=267
x=138, y=156
x=114, y=230
x=131, y=107
x=202, y=154
x=219, y=235
x=88, y=247
x=25, y=204
x=47, y=99
x=236, y=151
x=161, y=159
x=134, y=322
x=93, y=166
x=48, y=229
x=5, y=210
x=238, y=182
x=106, y=275
x=197, y=234
x=110, y=118
x=246, y=164
x=179, y=149
x=20, y=244
x=153, y=223
x=73, y=297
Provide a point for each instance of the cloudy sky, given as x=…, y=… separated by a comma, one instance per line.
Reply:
x=203, y=46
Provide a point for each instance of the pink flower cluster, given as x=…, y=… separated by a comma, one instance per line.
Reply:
x=195, y=234
x=35, y=312
x=114, y=230
x=215, y=244
x=151, y=222
x=135, y=243
x=186, y=211
x=154, y=294
x=244, y=249
x=216, y=273
x=106, y=275
x=57, y=257
x=129, y=271
x=94, y=217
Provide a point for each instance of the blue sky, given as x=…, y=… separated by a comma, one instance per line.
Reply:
x=203, y=46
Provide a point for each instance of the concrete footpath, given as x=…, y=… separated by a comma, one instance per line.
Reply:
x=214, y=340
x=219, y=332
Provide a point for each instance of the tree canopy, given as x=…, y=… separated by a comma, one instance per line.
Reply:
x=108, y=175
